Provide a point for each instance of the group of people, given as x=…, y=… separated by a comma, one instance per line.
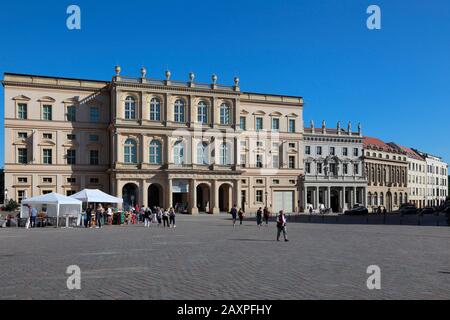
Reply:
x=261, y=214
x=100, y=214
x=166, y=218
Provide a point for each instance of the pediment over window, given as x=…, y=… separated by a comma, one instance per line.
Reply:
x=244, y=112
x=259, y=113
x=46, y=99
x=276, y=114
x=71, y=100
x=21, y=98
x=292, y=115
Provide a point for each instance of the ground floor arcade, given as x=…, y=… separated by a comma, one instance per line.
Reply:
x=334, y=197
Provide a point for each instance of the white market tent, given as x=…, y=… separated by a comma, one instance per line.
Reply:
x=95, y=196
x=57, y=205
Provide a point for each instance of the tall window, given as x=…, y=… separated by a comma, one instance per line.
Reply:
x=71, y=114
x=178, y=153
x=243, y=123
x=179, y=111
x=47, y=112
x=319, y=151
x=308, y=167
x=225, y=114
x=259, y=124
x=130, y=151
x=259, y=196
x=202, y=113
x=155, y=110
x=356, y=152
x=202, y=153
x=22, y=111
x=307, y=150
x=345, y=168
x=47, y=158
x=93, y=157
x=275, y=124
x=130, y=108
x=345, y=151
x=155, y=152
x=71, y=156
x=259, y=160
x=22, y=156
x=319, y=168
x=275, y=161
x=94, y=114
x=291, y=162
x=332, y=151
x=291, y=125
x=224, y=158
x=356, y=169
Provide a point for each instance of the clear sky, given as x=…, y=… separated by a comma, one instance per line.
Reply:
x=395, y=81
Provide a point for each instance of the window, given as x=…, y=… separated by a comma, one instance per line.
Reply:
x=47, y=180
x=130, y=151
x=20, y=195
x=155, y=110
x=259, y=160
x=292, y=182
x=276, y=146
x=23, y=135
x=243, y=160
x=291, y=125
x=333, y=169
x=202, y=113
x=47, y=136
x=94, y=180
x=276, y=181
x=345, y=168
x=308, y=167
x=179, y=111
x=22, y=180
x=307, y=150
x=225, y=114
x=319, y=168
x=224, y=158
x=47, y=112
x=94, y=114
x=275, y=161
x=243, y=123
x=202, y=153
x=259, y=144
x=47, y=156
x=22, y=156
x=319, y=151
x=276, y=124
x=332, y=151
x=130, y=108
x=259, y=181
x=259, y=196
x=243, y=144
x=291, y=145
x=356, y=152
x=22, y=111
x=155, y=152
x=71, y=137
x=345, y=151
x=71, y=157
x=71, y=180
x=94, y=157
x=291, y=162
x=356, y=169
x=71, y=113
x=178, y=153
x=259, y=124
x=93, y=137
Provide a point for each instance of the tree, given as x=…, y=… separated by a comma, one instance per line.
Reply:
x=12, y=205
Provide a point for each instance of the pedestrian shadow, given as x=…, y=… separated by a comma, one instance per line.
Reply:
x=252, y=240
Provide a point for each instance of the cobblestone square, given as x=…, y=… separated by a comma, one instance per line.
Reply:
x=205, y=258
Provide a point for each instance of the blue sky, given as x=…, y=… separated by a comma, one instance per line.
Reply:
x=395, y=81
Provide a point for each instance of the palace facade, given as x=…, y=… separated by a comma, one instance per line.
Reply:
x=197, y=147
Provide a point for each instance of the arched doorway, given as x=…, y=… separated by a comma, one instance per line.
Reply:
x=203, y=202
x=334, y=199
x=225, y=199
x=155, y=195
x=130, y=195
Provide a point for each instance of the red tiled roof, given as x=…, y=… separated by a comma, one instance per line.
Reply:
x=411, y=153
x=377, y=144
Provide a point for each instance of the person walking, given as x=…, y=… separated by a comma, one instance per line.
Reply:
x=109, y=213
x=33, y=215
x=241, y=214
x=259, y=215
x=159, y=216
x=234, y=213
x=165, y=218
x=266, y=215
x=281, y=226
x=88, y=221
x=147, y=217
x=172, y=218
x=99, y=216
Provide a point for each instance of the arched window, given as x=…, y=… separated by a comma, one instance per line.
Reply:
x=202, y=153
x=379, y=175
x=369, y=198
x=398, y=176
x=155, y=152
x=225, y=114
x=375, y=199
x=401, y=199
x=381, y=199
x=178, y=153
x=179, y=111
x=224, y=157
x=130, y=108
x=395, y=199
x=130, y=151
x=385, y=175
x=202, y=113
x=155, y=110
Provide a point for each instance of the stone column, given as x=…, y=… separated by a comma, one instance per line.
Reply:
x=193, y=198
x=169, y=195
x=237, y=194
x=214, y=198
x=343, y=199
x=316, y=205
x=305, y=194
x=355, y=198
x=329, y=197
x=143, y=194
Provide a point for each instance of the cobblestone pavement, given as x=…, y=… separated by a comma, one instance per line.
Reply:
x=205, y=258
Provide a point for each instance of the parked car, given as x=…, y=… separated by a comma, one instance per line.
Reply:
x=428, y=210
x=408, y=209
x=357, y=211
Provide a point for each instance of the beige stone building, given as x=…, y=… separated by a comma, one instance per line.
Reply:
x=386, y=170
x=198, y=147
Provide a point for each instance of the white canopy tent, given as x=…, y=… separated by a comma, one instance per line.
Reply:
x=57, y=205
x=95, y=196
